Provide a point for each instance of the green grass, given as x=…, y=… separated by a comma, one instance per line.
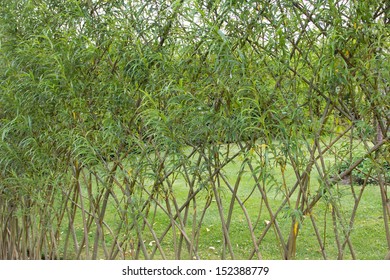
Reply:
x=367, y=234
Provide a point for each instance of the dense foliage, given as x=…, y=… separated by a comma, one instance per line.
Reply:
x=112, y=108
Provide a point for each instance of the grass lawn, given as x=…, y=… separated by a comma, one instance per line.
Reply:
x=203, y=226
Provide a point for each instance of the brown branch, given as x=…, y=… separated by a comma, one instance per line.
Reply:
x=343, y=174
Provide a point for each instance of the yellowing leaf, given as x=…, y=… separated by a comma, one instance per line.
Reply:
x=263, y=146
x=296, y=226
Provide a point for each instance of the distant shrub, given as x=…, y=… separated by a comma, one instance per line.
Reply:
x=368, y=170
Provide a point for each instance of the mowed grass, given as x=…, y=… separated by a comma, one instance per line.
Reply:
x=366, y=232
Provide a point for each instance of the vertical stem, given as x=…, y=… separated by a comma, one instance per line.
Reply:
x=223, y=222
x=336, y=234
x=77, y=170
x=246, y=214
